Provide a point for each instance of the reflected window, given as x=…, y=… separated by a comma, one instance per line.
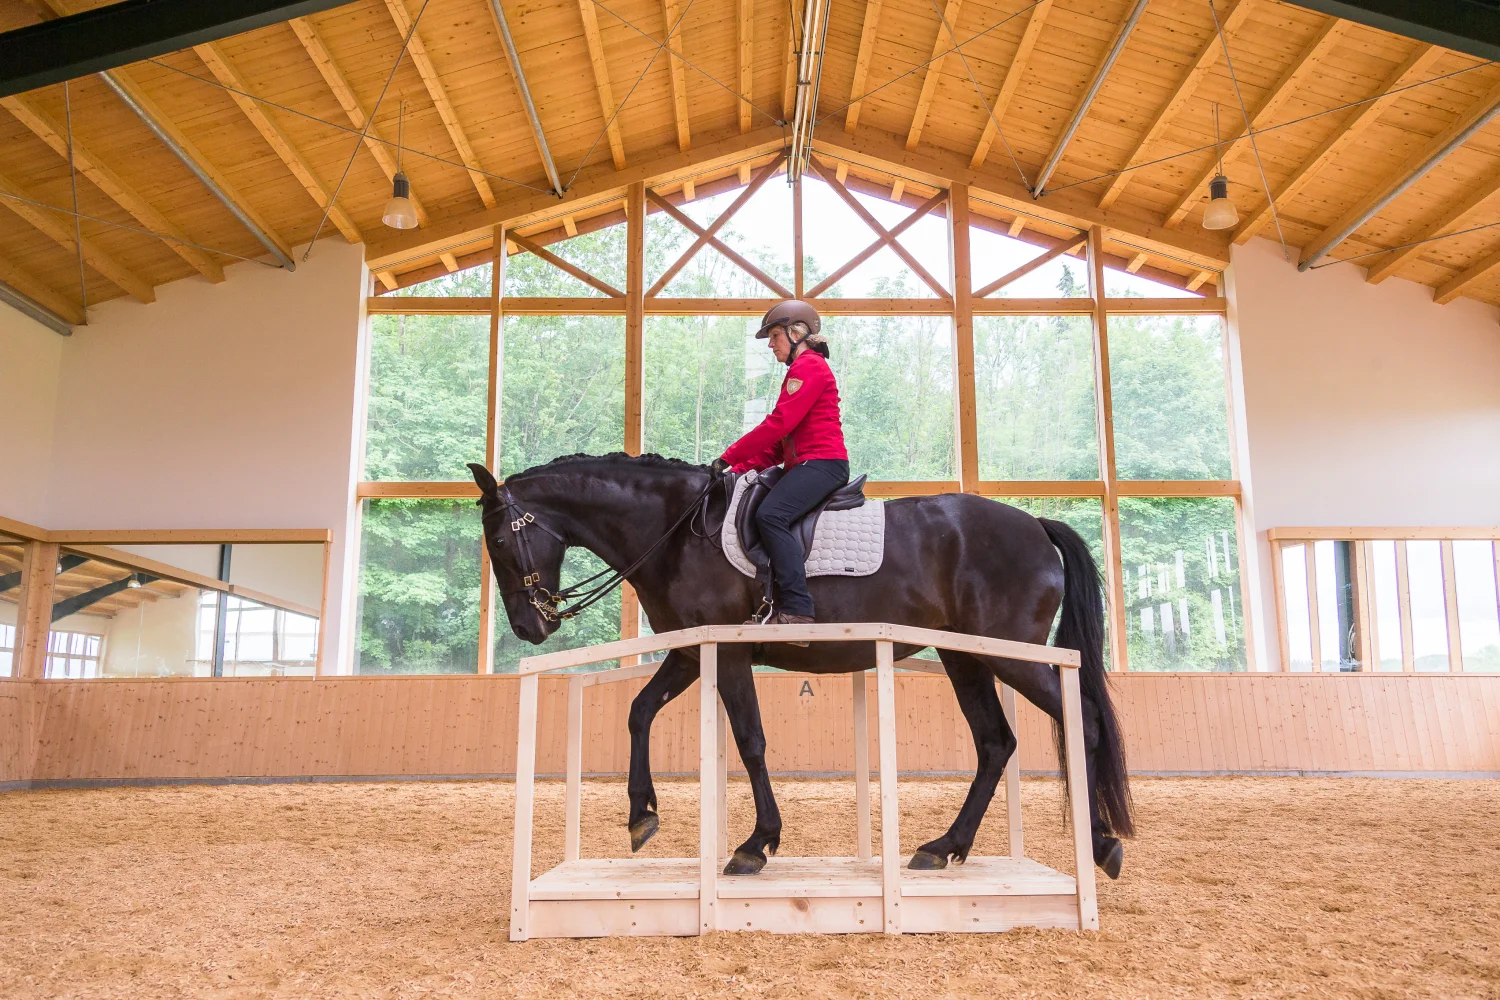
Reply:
x=72, y=655
x=1429, y=611
x=1476, y=566
x=7, y=650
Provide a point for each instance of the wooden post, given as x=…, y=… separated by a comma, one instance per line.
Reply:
x=635, y=370
x=723, y=751
x=862, y=765
x=572, y=808
x=487, y=604
x=1403, y=601
x=1013, y=775
x=800, y=272
x=966, y=435
x=1315, y=637
x=520, y=871
x=1078, y=801
x=1278, y=588
x=1450, y=603
x=1365, y=620
x=1371, y=603
x=34, y=613
x=1105, y=421
x=890, y=831
x=708, y=796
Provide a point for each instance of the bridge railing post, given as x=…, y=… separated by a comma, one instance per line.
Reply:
x=1078, y=799
x=573, y=805
x=1013, y=775
x=709, y=836
x=520, y=871
x=890, y=829
x=862, y=765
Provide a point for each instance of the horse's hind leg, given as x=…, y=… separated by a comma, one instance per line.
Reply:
x=737, y=690
x=675, y=675
x=993, y=741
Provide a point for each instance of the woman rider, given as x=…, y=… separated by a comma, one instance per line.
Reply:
x=803, y=434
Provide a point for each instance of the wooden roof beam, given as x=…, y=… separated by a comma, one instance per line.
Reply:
x=867, y=35
x=1455, y=286
x=1285, y=88
x=1414, y=68
x=746, y=38
x=218, y=64
x=106, y=180
x=53, y=226
x=941, y=46
x=1013, y=73
x=1116, y=46
x=317, y=51
x=1479, y=114
x=607, y=107
x=1451, y=218
x=40, y=294
x=1208, y=57
x=672, y=13
x=435, y=90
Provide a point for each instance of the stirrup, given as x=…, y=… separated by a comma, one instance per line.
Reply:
x=756, y=618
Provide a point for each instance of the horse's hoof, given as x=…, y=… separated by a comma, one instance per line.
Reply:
x=925, y=861
x=643, y=830
x=1114, y=858
x=744, y=864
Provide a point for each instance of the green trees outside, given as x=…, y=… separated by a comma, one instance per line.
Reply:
x=707, y=381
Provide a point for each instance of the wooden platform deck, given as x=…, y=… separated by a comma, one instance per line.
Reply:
x=599, y=897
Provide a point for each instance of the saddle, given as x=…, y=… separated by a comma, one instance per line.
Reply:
x=842, y=536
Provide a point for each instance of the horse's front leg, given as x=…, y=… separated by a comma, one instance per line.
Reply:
x=737, y=690
x=676, y=673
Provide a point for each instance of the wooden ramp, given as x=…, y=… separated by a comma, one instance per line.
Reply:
x=606, y=897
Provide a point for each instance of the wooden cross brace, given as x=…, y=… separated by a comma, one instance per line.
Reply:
x=1066, y=246
x=709, y=235
x=718, y=244
x=563, y=265
x=883, y=236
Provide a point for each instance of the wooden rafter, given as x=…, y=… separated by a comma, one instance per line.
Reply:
x=671, y=11
x=884, y=236
x=1012, y=81
x=607, y=107
x=1414, y=167
x=862, y=63
x=218, y=64
x=1208, y=57
x=1066, y=246
x=317, y=51
x=567, y=266
x=718, y=244
x=439, y=94
x=1454, y=287
x=1288, y=86
x=1449, y=219
x=29, y=284
x=763, y=175
x=106, y=180
x=941, y=47
x=746, y=39
x=61, y=233
x=1414, y=68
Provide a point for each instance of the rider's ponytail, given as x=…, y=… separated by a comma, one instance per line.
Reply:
x=815, y=342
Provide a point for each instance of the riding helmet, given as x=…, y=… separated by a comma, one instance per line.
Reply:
x=787, y=313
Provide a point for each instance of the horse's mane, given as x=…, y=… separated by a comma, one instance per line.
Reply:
x=647, y=461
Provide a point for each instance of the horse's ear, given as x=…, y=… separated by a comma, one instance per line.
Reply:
x=483, y=479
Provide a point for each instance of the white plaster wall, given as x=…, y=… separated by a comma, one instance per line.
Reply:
x=217, y=406
x=30, y=365
x=1364, y=405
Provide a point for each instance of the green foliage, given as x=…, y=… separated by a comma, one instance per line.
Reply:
x=1167, y=376
x=1034, y=392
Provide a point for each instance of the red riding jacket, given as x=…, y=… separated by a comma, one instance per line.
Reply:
x=804, y=425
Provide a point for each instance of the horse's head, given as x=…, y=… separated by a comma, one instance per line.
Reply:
x=527, y=558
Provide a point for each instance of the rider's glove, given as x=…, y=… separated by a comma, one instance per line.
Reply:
x=718, y=468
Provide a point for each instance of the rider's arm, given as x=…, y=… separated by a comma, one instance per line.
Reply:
x=791, y=407
x=771, y=456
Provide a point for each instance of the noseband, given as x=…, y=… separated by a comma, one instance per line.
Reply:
x=550, y=605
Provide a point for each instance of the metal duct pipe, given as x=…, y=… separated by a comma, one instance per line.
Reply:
x=514, y=58
x=1121, y=37
x=809, y=82
x=24, y=303
x=166, y=139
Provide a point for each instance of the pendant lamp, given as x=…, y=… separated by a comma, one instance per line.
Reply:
x=1221, y=213
x=399, y=212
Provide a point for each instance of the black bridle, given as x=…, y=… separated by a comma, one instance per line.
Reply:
x=549, y=604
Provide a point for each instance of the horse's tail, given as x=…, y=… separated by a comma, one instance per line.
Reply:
x=1082, y=628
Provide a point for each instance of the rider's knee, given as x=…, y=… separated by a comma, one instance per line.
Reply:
x=771, y=519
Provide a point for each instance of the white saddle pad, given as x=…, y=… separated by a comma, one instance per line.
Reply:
x=846, y=542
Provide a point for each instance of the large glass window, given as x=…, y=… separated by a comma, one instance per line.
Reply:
x=1184, y=609
x=562, y=390
x=1475, y=567
x=12, y=554
x=833, y=234
x=601, y=254
x=419, y=587
x=708, y=380
x=1034, y=389
x=428, y=396
x=993, y=256
x=471, y=282
x=1167, y=380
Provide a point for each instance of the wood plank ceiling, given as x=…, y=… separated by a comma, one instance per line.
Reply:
x=1344, y=115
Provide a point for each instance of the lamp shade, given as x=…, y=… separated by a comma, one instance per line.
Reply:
x=399, y=212
x=1221, y=213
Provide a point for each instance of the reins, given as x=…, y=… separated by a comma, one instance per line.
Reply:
x=549, y=604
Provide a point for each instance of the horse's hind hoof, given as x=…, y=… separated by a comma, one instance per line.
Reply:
x=1114, y=858
x=744, y=864
x=643, y=830
x=925, y=861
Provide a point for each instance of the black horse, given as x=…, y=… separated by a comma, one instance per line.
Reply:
x=956, y=562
